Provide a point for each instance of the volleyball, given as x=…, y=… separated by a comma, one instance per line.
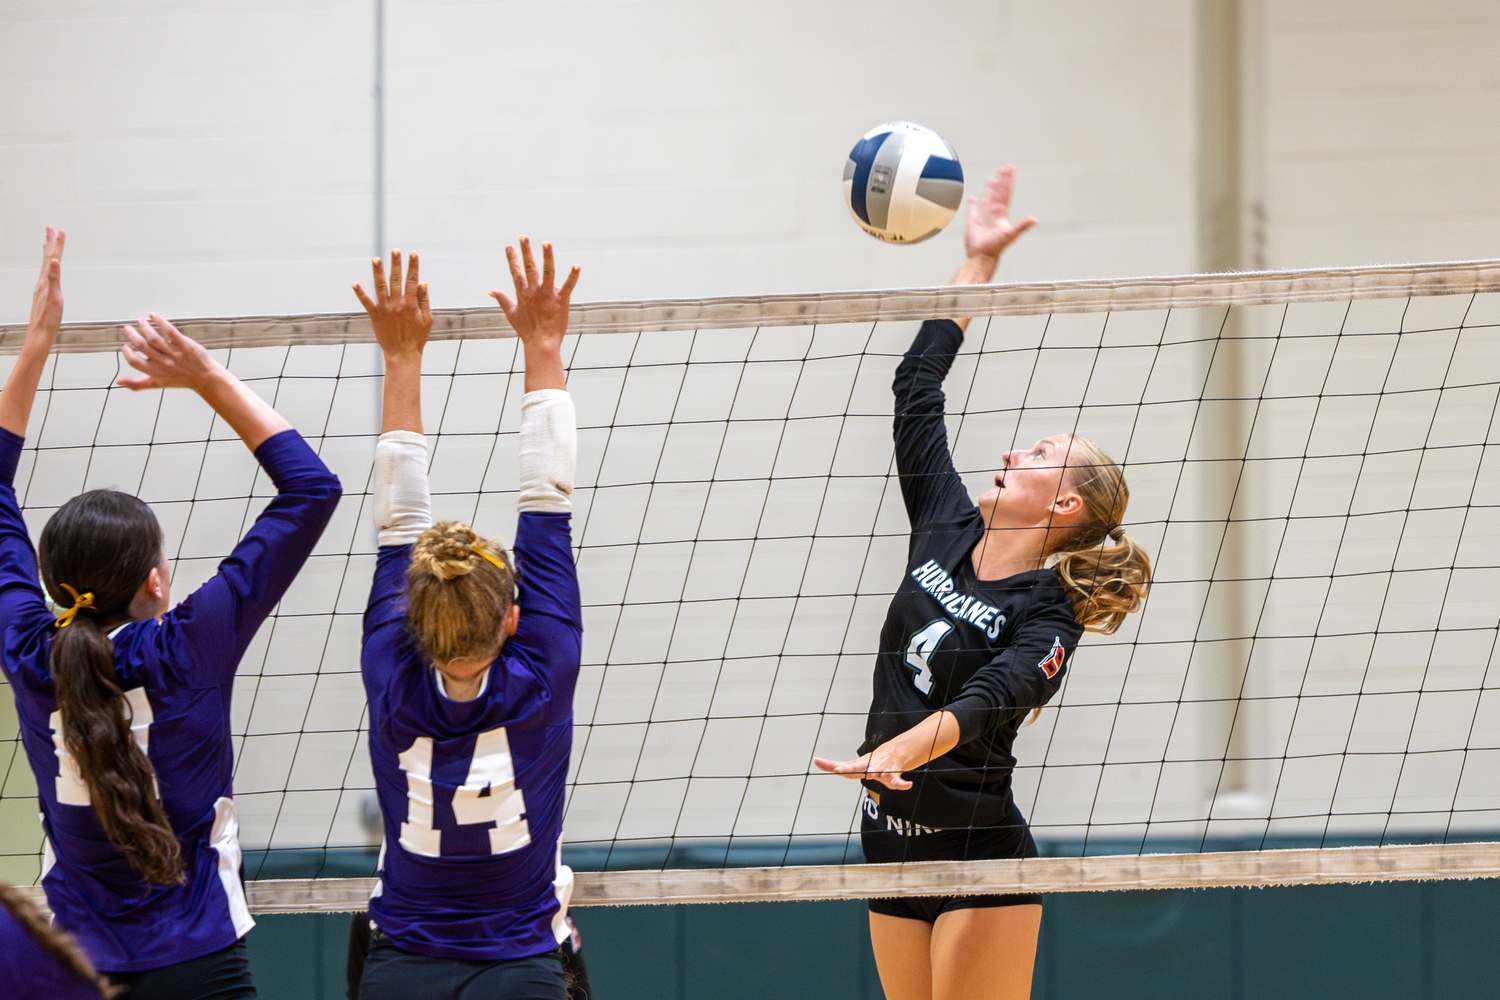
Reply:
x=903, y=182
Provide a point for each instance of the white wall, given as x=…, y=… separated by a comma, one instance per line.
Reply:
x=219, y=161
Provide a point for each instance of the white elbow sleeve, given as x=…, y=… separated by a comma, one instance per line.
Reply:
x=403, y=508
x=549, y=451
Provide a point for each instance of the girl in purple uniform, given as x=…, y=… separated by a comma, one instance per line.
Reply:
x=124, y=700
x=470, y=659
x=994, y=599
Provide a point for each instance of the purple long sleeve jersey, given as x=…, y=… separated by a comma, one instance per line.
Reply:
x=473, y=791
x=178, y=675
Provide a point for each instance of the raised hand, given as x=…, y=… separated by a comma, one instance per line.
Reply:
x=41, y=333
x=167, y=358
x=47, y=299
x=400, y=314
x=989, y=229
x=539, y=312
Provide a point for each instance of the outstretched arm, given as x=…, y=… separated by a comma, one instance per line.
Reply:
x=921, y=744
x=169, y=359
x=539, y=314
x=988, y=232
x=41, y=334
x=402, y=317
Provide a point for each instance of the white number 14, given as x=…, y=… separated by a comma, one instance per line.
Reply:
x=488, y=795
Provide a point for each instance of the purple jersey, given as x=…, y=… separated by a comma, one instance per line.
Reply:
x=472, y=792
x=31, y=972
x=178, y=675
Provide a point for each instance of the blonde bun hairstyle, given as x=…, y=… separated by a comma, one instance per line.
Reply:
x=1106, y=573
x=457, y=599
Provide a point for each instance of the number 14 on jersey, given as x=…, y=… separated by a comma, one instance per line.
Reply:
x=488, y=796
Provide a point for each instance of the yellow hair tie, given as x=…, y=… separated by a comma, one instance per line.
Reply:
x=483, y=553
x=79, y=601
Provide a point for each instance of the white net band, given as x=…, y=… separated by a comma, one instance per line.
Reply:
x=1404, y=863
x=737, y=312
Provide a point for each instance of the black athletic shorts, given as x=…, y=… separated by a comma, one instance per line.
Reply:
x=219, y=975
x=393, y=973
x=888, y=838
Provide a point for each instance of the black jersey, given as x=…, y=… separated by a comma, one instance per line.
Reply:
x=989, y=651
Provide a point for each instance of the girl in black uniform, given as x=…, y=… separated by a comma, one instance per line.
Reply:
x=994, y=600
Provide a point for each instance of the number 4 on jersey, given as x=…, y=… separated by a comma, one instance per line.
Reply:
x=921, y=648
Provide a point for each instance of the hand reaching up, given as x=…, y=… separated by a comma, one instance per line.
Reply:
x=400, y=314
x=166, y=358
x=41, y=333
x=989, y=229
x=47, y=299
x=538, y=313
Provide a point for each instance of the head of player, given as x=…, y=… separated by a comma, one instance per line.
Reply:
x=1067, y=498
x=460, y=602
x=101, y=557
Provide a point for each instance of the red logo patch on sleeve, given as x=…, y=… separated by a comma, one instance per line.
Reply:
x=1053, y=661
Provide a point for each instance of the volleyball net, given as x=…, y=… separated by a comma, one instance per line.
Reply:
x=1307, y=695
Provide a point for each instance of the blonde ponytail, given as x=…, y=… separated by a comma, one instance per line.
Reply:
x=459, y=589
x=1105, y=581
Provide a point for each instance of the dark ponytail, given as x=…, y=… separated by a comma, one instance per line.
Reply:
x=101, y=546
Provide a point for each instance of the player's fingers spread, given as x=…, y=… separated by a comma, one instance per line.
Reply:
x=141, y=337
x=169, y=331
x=567, y=289
x=504, y=300
x=530, y=260
x=395, y=272
x=364, y=300
x=377, y=267
x=131, y=358
x=517, y=276
x=549, y=266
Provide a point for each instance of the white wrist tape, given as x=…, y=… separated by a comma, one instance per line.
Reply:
x=549, y=451
x=403, y=508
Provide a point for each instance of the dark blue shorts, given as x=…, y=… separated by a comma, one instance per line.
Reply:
x=219, y=975
x=888, y=839
x=392, y=973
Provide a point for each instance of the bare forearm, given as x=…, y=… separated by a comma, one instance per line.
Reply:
x=976, y=270
x=401, y=398
x=20, y=387
x=252, y=418
x=924, y=742
x=544, y=367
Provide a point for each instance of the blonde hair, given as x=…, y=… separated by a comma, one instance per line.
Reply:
x=456, y=598
x=1105, y=581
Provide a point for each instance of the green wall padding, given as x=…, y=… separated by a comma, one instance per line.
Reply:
x=1417, y=941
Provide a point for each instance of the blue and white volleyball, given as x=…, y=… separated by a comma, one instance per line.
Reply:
x=903, y=183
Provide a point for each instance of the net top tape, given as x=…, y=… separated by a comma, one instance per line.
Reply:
x=1194, y=291
x=1310, y=866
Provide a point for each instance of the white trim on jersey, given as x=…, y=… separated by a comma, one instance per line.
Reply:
x=71, y=789
x=225, y=840
x=562, y=887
